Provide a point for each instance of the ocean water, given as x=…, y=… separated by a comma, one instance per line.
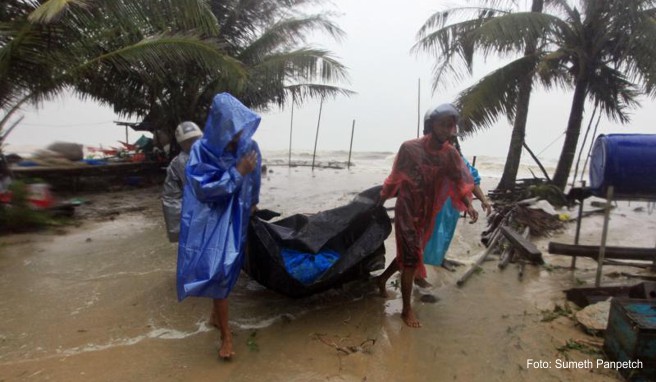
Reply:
x=488, y=166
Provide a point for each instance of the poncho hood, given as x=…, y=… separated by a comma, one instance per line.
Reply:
x=227, y=117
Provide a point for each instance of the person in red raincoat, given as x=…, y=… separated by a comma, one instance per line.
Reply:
x=425, y=173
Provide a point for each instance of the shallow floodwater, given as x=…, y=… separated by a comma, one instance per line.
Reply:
x=98, y=303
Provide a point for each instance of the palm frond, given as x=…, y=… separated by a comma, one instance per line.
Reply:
x=303, y=92
x=158, y=54
x=514, y=31
x=494, y=95
x=613, y=93
x=439, y=20
x=52, y=10
x=304, y=64
x=286, y=33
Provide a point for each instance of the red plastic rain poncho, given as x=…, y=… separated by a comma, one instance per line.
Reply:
x=424, y=175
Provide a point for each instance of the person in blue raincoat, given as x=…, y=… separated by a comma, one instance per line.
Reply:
x=447, y=219
x=221, y=192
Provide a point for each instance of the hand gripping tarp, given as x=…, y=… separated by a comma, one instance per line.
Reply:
x=352, y=236
x=217, y=202
x=423, y=176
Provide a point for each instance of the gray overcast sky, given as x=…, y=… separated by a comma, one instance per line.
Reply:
x=376, y=49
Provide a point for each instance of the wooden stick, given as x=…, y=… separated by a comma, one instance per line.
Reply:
x=316, y=138
x=480, y=260
x=505, y=257
x=348, y=164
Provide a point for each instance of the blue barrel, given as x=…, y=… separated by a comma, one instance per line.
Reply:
x=627, y=162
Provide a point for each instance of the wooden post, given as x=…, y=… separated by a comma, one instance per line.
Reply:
x=653, y=264
x=604, y=236
x=578, y=227
x=348, y=164
x=418, y=105
x=291, y=125
x=316, y=138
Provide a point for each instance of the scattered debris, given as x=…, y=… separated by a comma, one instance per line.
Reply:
x=364, y=347
x=594, y=318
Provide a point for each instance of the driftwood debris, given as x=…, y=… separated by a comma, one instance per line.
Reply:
x=461, y=281
x=524, y=246
x=503, y=237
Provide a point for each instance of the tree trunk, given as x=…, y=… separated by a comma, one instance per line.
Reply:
x=511, y=167
x=572, y=135
x=517, y=138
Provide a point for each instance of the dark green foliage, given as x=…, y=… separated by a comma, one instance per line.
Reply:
x=603, y=50
x=164, y=60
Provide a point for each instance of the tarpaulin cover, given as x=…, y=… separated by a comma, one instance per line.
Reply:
x=217, y=202
x=306, y=267
x=445, y=227
x=356, y=232
x=625, y=161
x=423, y=176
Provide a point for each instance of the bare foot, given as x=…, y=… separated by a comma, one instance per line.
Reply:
x=410, y=319
x=225, y=351
x=422, y=283
x=381, y=287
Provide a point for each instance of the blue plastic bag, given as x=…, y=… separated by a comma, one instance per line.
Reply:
x=308, y=267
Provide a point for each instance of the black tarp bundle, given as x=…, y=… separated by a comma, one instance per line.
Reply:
x=356, y=231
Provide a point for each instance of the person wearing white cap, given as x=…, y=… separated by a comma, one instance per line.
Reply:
x=185, y=134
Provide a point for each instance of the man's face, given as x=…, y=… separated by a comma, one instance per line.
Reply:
x=444, y=128
x=186, y=145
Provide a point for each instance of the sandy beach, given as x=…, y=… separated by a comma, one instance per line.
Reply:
x=97, y=302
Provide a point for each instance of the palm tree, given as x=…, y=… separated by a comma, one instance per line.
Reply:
x=603, y=51
x=606, y=51
x=457, y=40
x=49, y=46
x=267, y=38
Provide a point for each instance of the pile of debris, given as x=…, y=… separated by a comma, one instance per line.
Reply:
x=508, y=231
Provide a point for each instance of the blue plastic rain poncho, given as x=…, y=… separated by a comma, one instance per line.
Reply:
x=217, y=202
x=445, y=227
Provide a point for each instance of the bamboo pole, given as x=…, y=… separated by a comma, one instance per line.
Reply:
x=604, y=235
x=418, y=105
x=316, y=138
x=291, y=126
x=348, y=164
x=578, y=227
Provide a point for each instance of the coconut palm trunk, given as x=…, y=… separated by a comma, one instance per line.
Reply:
x=517, y=138
x=572, y=134
x=519, y=126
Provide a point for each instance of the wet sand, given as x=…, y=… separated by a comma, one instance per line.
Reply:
x=97, y=302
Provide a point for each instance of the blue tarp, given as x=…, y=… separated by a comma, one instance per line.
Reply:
x=216, y=203
x=308, y=267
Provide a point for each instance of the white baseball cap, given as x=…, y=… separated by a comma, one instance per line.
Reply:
x=187, y=130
